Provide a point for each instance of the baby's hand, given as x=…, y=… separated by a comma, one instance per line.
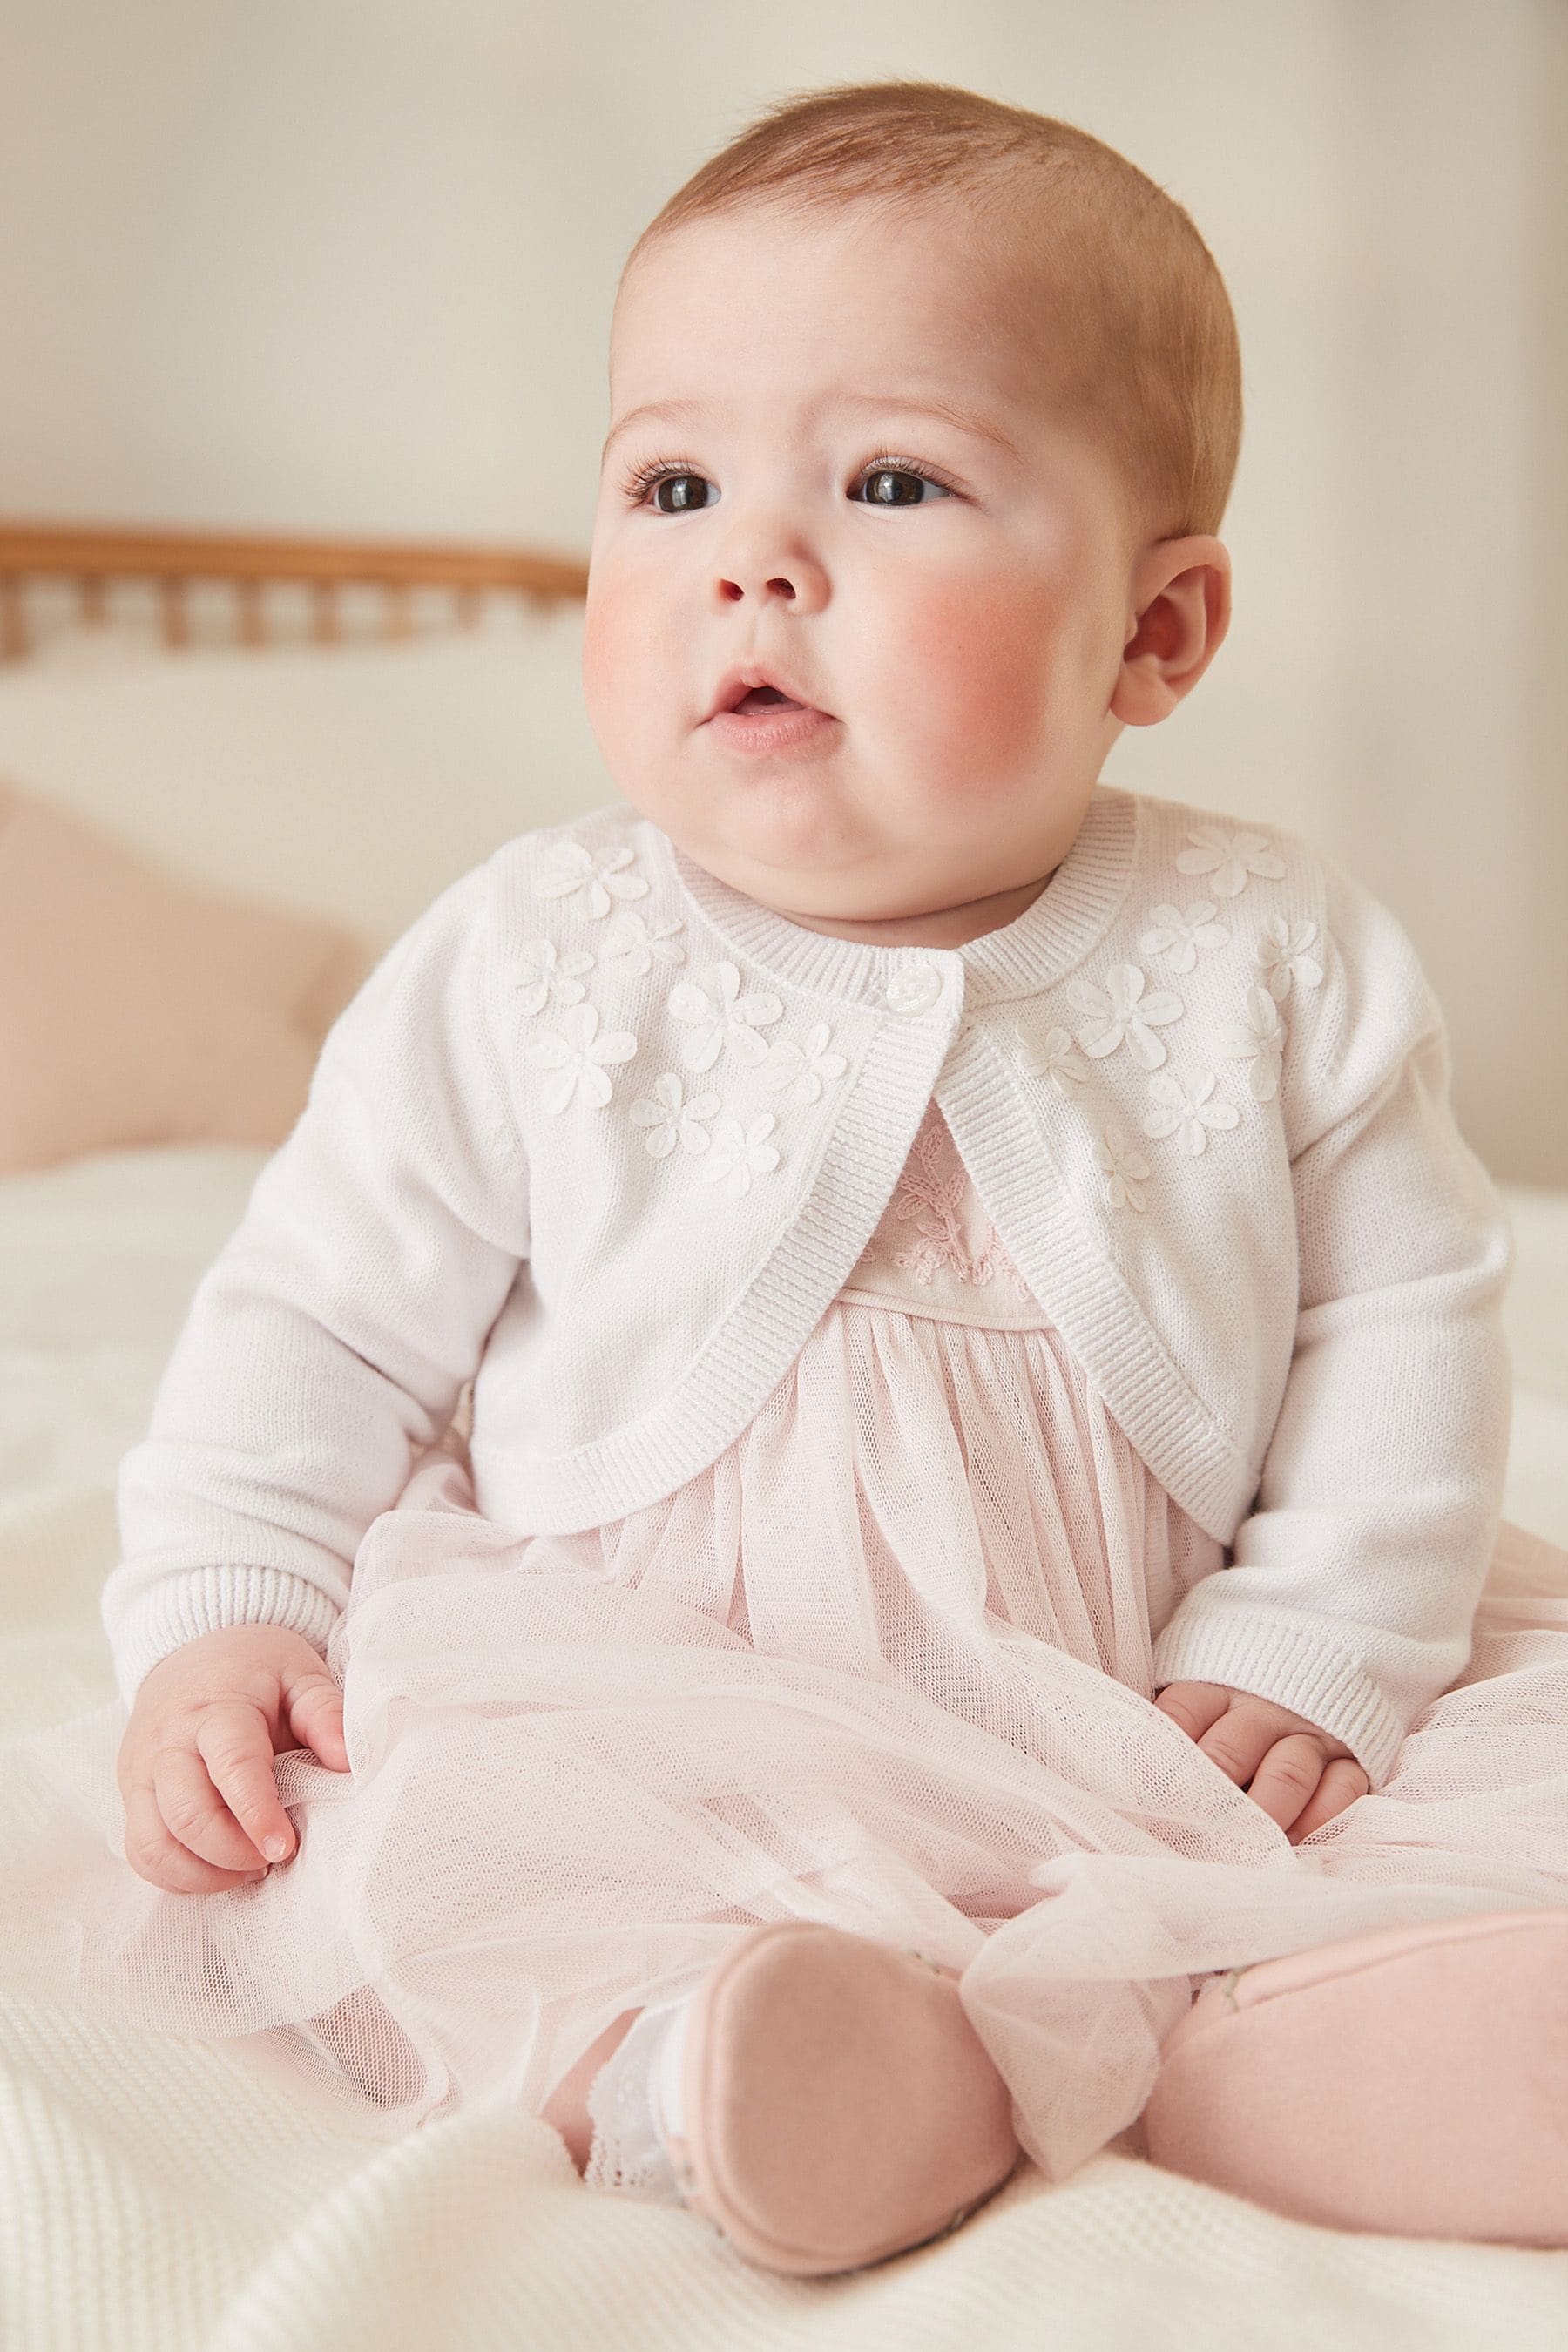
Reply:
x=1298, y=1775
x=195, y=1763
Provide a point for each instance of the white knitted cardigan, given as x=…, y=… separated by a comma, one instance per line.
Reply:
x=604, y=1136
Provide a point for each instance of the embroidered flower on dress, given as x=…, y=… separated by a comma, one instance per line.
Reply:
x=1230, y=858
x=597, y=872
x=1126, y=1170
x=1121, y=1013
x=726, y=1022
x=1186, y=1110
x=1049, y=1053
x=1282, y=952
x=737, y=1151
x=576, y=1057
x=554, y=983
x=668, y=1122
x=801, y=1068
x=633, y=940
x=935, y=1199
x=1178, y=937
x=1260, y=1040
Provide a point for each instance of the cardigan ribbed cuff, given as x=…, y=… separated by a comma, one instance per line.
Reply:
x=180, y=1608
x=1277, y=1658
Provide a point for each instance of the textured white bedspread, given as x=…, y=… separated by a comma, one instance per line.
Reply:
x=157, y=2194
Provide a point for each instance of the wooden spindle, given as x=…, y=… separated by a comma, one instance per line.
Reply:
x=13, y=620
x=324, y=614
x=176, y=620
x=252, y=627
x=89, y=591
x=396, y=622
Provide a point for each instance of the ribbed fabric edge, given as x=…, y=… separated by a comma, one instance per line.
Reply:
x=1055, y=932
x=750, y=1352
x=1025, y=1193
x=186, y=1604
x=1288, y=1664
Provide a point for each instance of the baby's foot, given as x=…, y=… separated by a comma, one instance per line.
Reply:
x=567, y=2106
x=629, y=2103
x=1413, y=2082
x=826, y=2102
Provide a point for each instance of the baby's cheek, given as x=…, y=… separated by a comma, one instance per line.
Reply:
x=626, y=675
x=610, y=634
x=976, y=669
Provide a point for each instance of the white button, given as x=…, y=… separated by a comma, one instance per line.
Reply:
x=914, y=987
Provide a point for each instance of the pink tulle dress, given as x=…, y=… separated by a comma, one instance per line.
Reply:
x=886, y=1663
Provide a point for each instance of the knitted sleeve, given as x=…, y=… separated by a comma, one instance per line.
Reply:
x=1354, y=1581
x=331, y=1337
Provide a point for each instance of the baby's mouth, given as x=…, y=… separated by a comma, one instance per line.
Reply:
x=767, y=697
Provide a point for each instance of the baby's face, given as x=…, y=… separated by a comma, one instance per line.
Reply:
x=964, y=633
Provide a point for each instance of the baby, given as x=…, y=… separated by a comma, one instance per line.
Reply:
x=988, y=1403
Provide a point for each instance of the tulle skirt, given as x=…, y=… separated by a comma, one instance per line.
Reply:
x=886, y=1663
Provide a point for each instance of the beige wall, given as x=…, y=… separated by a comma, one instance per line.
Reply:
x=347, y=265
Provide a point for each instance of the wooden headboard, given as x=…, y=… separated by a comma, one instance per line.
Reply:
x=94, y=557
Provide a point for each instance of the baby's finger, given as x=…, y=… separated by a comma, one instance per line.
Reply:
x=313, y=1705
x=1287, y=1778
x=158, y=1857
x=1239, y=1743
x=1193, y=1706
x=195, y=1812
x=1342, y=1782
x=236, y=1745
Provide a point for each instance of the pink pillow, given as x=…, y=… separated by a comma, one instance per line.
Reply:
x=139, y=1008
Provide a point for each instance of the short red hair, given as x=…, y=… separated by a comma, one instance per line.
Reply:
x=1143, y=340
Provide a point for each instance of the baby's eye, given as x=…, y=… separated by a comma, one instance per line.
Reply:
x=881, y=472
x=683, y=503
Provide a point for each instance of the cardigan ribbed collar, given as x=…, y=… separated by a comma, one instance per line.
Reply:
x=1049, y=940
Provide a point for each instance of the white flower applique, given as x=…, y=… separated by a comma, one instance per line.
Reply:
x=1186, y=1110
x=1260, y=1040
x=1049, y=1053
x=725, y=1018
x=632, y=940
x=737, y=1153
x=577, y=1055
x=669, y=1122
x=1119, y=1013
x=555, y=980
x=1230, y=858
x=1126, y=1170
x=801, y=1068
x=598, y=874
x=1284, y=953
x=1178, y=937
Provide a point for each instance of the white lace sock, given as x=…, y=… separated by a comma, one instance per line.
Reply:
x=634, y=2101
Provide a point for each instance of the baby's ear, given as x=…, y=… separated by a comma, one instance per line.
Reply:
x=1181, y=595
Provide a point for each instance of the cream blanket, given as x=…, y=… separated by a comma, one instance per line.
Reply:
x=166, y=2195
